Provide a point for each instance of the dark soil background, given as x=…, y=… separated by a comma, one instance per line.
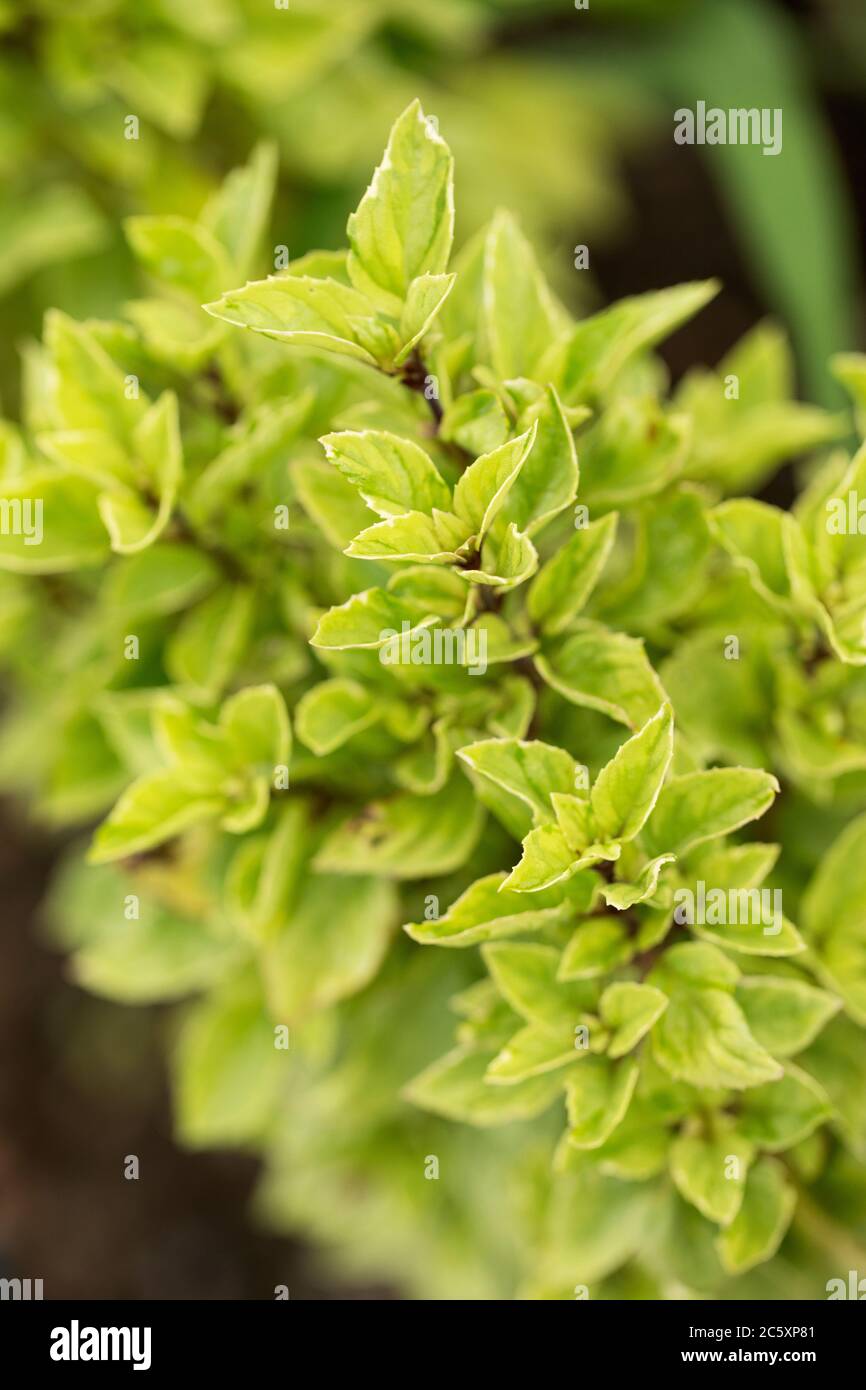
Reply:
x=67, y=1215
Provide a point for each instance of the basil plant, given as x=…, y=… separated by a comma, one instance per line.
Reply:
x=476, y=763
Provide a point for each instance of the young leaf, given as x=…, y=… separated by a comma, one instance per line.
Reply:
x=131, y=522
x=482, y=489
x=426, y=296
x=227, y=1074
x=547, y=859
x=476, y=421
x=237, y=213
x=622, y=896
x=404, y=224
x=180, y=253
x=304, y=312
x=547, y=482
x=627, y=789
x=257, y=728
x=413, y=536
x=51, y=524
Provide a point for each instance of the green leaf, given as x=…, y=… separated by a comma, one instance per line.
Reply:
x=227, y=1072
x=629, y=1010
x=166, y=578
x=531, y=1052
x=739, y=441
x=547, y=859
x=153, y=809
x=595, y=350
x=701, y=806
x=455, y=1087
x=598, y=1095
x=759, y=1227
x=627, y=789
x=301, y=311
x=430, y=589
x=520, y=316
x=413, y=536
x=264, y=877
x=548, y=479
x=485, y=913
x=710, y=1172
x=91, y=454
x=204, y=652
x=176, y=333
x=668, y=573
x=562, y=586
x=407, y=836
x=604, y=671
x=777, y=1116
x=525, y=976
x=256, y=725
x=508, y=557
x=332, y=712
x=90, y=390
x=482, y=489
x=476, y=421
x=531, y=771
x=50, y=524
x=367, y=620
x=404, y=224
x=703, y=1037
x=181, y=254
x=622, y=896
x=393, y=475
x=131, y=521
x=763, y=542
x=426, y=296
x=575, y=819
x=597, y=947
x=835, y=899
x=332, y=944
x=634, y=451
x=784, y=1015
x=237, y=213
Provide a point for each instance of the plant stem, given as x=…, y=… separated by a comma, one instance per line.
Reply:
x=416, y=376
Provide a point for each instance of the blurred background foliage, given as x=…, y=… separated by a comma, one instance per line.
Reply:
x=547, y=106
x=566, y=116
